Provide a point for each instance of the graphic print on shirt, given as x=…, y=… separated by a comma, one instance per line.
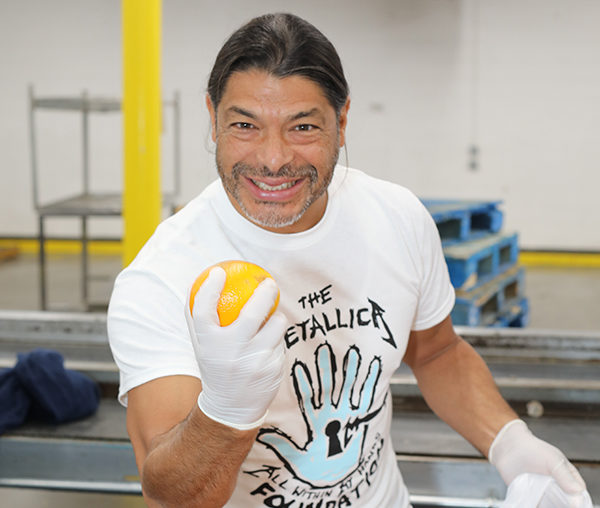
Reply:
x=335, y=425
x=333, y=461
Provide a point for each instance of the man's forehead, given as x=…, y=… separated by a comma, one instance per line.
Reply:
x=293, y=115
x=247, y=91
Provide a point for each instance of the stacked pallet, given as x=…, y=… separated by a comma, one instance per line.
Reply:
x=483, y=263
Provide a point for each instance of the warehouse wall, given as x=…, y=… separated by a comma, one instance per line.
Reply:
x=518, y=79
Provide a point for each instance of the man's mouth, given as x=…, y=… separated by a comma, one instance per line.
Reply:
x=273, y=188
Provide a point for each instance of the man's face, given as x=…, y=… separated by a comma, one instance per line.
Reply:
x=278, y=141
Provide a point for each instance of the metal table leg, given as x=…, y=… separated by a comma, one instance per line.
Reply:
x=42, y=261
x=84, y=262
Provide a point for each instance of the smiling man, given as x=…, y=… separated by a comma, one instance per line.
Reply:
x=296, y=411
x=278, y=143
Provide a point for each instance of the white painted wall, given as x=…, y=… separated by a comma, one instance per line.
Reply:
x=520, y=78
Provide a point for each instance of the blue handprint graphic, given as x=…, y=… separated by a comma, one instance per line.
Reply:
x=336, y=427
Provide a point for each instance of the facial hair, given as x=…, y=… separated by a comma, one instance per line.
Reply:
x=270, y=213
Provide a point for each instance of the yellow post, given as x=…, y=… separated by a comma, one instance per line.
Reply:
x=141, y=122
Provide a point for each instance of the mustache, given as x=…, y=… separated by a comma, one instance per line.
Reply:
x=285, y=171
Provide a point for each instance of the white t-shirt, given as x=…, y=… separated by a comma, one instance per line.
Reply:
x=352, y=287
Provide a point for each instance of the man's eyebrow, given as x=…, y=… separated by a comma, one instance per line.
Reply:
x=304, y=114
x=241, y=111
x=291, y=118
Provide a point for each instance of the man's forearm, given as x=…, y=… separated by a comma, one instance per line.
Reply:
x=460, y=389
x=196, y=463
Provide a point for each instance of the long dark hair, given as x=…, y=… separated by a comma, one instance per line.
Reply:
x=282, y=45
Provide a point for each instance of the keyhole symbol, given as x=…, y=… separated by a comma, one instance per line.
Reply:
x=331, y=431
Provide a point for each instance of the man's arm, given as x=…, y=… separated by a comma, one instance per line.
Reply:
x=190, y=438
x=184, y=457
x=459, y=388
x=457, y=384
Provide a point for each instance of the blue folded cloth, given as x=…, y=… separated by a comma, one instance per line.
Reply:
x=14, y=401
x=40, y=387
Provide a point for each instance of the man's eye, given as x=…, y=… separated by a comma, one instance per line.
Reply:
x=306, y=127
x=243, y=125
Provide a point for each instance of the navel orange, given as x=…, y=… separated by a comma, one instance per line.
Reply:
x=242, y=279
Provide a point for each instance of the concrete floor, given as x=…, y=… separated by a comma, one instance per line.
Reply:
x=560, y=299
x=563, y=298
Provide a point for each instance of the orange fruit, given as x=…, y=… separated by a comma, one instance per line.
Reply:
x=241, y=281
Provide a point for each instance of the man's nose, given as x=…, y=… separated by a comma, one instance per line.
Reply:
x=274, y=151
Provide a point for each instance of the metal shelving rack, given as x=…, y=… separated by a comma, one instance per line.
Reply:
x=87, y=203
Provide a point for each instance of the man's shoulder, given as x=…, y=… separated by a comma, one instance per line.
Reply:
x=189, y=221
x=385, y=192
x=196, y=206
x=180, y=244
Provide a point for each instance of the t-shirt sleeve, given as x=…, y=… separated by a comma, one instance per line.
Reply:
x=436, y=295
x=147, y=331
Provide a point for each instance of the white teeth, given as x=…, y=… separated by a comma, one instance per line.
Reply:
x=266, y=187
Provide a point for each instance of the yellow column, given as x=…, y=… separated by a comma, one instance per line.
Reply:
x=141, y=122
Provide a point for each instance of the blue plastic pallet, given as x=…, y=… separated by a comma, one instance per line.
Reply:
x=491, y=303
x=474, y=263
x=516, y=316
x=459, y=221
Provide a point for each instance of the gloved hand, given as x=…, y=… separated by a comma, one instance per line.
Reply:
x=241, y=365
x=515, y=450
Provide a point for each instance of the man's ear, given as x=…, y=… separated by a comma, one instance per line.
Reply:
x=343, y=122
x=213, y=118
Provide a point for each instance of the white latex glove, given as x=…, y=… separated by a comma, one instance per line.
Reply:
x=241, y=365
x=515, y=450
x=540, y=491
